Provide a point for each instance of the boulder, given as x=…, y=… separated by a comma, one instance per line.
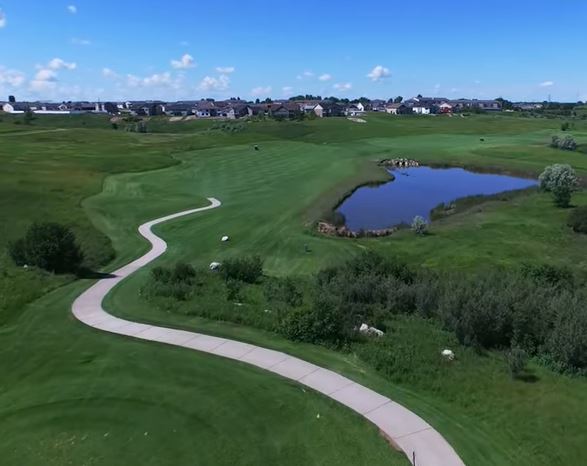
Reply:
x=370, y=331
x=214, y=266
x=448, y=354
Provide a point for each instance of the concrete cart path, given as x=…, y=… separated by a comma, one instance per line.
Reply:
x=405, y=429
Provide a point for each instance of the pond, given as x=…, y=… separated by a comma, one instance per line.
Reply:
x=416, y=191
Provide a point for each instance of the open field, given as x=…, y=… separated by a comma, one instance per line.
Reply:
x=66, y=382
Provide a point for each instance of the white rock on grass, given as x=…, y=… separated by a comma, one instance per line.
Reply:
x=214, y=266
x=448, y=354
x=371, y=331
x=225, y=239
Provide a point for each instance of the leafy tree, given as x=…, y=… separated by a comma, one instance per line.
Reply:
x=505, y=104
x=398, y=99
x=561, y=180
x=419, y=225
x=49, y=246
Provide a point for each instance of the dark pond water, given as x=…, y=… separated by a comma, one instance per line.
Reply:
x=416, y=191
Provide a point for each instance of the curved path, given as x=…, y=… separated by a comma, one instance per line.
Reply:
x=406, y=430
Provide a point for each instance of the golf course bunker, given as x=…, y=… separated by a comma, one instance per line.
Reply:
x=416, y=191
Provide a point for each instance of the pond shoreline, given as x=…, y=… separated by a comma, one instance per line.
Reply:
x=333, y=227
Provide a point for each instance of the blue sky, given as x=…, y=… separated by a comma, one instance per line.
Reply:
x=180, y=49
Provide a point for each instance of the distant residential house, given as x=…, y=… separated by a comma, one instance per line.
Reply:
x=445, y=107
x=205, y=109
x=470, y=104
x=279, y=111
x=53, y=109
x=397, y=109
x=354, y=111
x=15, y=107
x=378, y=105
x=329, y=109
x=527, y=106
x=422, y=109
x=361, y=107
x=178, y=109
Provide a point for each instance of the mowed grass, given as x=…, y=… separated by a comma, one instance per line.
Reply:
x=61, y=371
x=72, y=395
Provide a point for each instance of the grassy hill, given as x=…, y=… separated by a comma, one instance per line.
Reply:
x=68, y=385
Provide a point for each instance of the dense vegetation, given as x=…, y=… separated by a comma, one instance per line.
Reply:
x=537, y=309
x=50, y=246
x=578, y=219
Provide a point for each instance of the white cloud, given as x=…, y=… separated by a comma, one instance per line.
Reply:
x=158, y=80
x=210, y=83
x=287, y=91
x=546, y=84
x=72, y=9
x=11, y=78
x=58, y=64
x=78, y=41
x=261, y=91
x=343, y=87
x=225, y=69
x=2, y=19
x=305, y=74
x=46, y=77
x=378, y=73
x=186, y=61
x=325, y=77
x=45, y=74
x=109, y=73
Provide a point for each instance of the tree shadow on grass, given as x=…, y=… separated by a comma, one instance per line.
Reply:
x=93, y=275
x=528, y=376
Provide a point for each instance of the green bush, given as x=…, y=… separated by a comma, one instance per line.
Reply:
x=49, y=246
x=172, y=282
x=578, y=219
x=566, y=345
x=245, y=269
x=561, y=181
x=419, y=225
x=233, y=289
x=283, y=290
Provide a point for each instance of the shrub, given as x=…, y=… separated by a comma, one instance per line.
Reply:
x=565, y=126
x=50, y=246
x=283, y=291
x=568, y=143
x=233, y=289
x=245, y=269
x=173, y=282
x=517, y=359
x=567, y=343
x=561, y=181
x=549, y=275
x=419, y=225
x=578, y=219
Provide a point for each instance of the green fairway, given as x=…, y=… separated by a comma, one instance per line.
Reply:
x=68, y=386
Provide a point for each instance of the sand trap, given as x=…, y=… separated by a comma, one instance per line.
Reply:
x=357, y=120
